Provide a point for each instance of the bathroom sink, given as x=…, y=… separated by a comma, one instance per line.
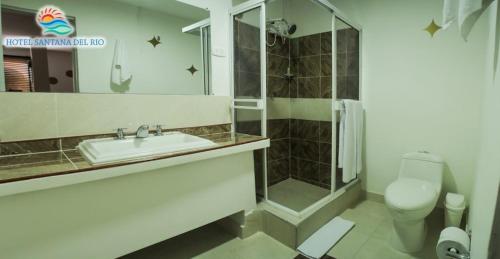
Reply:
x=107, y=150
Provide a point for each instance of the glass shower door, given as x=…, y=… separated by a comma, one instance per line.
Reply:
x=299, y=104
x=248, y=87
x=347, y=76
x=285, y=71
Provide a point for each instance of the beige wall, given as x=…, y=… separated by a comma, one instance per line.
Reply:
x=419, y=93
x=317, y=19
x=35, y=116
x=488, y=168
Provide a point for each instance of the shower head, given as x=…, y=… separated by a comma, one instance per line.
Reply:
x=291, y=29
x=281, y=27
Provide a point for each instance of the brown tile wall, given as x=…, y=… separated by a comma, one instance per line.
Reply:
x=246, y=60
x=309, y=58
x=247, y=84
x=278, y=155
x=311, y=151
x=299, y=148
x=348, y=64
x=67, y=143
x=311, y=63
x=278, y=61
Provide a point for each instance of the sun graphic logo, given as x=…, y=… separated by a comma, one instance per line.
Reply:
x=53, y=21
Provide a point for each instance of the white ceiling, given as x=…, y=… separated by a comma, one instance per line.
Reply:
x=171, y=7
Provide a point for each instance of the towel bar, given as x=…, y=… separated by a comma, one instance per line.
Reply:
x=339, y=105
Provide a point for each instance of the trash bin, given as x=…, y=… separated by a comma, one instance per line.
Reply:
x=454, y=209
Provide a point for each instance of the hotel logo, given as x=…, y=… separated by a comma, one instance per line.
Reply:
x=53, y=21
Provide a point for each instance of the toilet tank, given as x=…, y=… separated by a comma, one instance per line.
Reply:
x=423, y=166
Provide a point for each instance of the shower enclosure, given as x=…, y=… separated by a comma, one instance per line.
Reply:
x=289, y=74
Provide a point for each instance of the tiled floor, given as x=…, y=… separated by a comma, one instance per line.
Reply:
x=296, y=195
x=369, y=239
x=211, y=242
x=370, y=236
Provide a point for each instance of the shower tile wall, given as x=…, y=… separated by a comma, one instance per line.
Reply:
x=278, y=155
x=311, y=62
x=348, y=64
x=297, y=150
x=311, y=151
x=300, y=149
x=278, y=61
x=309, y=142
x=247, y=60
x=309, y=58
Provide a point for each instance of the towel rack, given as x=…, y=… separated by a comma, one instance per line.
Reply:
x=339, y=105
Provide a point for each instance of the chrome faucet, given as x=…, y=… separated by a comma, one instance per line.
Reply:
x=120, y=133
x=159, y=130
x=142, y=131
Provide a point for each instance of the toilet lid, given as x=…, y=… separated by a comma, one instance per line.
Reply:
x=410, y=194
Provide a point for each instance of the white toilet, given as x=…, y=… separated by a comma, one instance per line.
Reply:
x=412, y=197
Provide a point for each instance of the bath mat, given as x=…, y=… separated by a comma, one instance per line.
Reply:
x=317, y=245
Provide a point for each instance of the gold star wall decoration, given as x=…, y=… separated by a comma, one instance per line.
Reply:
x=155, y=41
x=432, y=28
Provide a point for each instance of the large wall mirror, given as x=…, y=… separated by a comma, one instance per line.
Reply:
x=142, y=47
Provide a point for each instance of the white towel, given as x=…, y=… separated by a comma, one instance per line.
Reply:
x=120, y=72
x=467, y=12
x=350, y=139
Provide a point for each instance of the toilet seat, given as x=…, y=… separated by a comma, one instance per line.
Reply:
x=410, y=194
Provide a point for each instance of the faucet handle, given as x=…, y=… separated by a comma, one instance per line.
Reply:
x=159, y=129
x=120, y=133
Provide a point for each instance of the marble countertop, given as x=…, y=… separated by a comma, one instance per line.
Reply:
x=37, y=165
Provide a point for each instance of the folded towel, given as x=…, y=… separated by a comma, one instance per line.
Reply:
x=467, y=12
x=450, y=12
x=350, y=139
x=120, y=72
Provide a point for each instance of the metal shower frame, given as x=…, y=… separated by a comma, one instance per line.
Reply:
x=260, y=104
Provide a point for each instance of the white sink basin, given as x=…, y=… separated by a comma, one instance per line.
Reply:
x=99, y=151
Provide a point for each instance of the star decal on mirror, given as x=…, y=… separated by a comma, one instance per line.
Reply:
x=155, y=41
x=192, y=69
